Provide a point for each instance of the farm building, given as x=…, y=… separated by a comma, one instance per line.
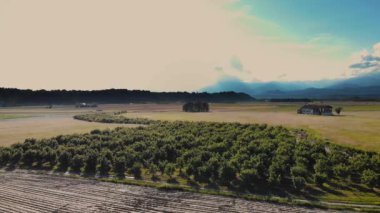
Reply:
x=85, y=105
x=196, y=107
x=315, y=109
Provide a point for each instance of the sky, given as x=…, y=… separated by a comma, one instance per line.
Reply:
x=181, y=45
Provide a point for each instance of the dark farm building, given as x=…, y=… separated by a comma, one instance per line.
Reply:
x=315, y=109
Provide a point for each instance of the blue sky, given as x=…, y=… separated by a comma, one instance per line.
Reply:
x=353, y=21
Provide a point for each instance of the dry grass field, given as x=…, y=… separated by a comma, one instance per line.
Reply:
x=19, y=123
x=358, y=126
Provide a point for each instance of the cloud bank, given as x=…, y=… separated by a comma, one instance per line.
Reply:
x=366, y=61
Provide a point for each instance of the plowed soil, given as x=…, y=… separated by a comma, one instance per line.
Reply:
x=22, y=191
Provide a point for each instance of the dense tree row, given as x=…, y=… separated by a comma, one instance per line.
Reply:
x=196, y=107
x=232, y=154
x=113, y=118
x=11, y=97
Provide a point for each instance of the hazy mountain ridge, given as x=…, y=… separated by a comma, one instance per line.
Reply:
x=362, y=86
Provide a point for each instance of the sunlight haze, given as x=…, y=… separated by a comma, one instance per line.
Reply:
x=177, y=45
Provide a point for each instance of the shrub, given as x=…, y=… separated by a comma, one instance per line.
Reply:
x=16, y=156
x=119, y=166
x=341, y=170
x=338, y=110
x=29, y=157
x=322, y=167
x=203, y=174
x=153, y=169
x=5, y=156
x=91, y=162
x=95, y=132
x=320, y=178
x=226, y=173
x=105, y=166
x=299, y=171
x=64, y=160
x=370, y=178
x=136, y=170
x=298, y=182
x=249, y=176
x=169, y=169
x=51, y=157
x=77, y=163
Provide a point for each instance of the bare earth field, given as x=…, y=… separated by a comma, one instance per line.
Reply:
x=21, y=191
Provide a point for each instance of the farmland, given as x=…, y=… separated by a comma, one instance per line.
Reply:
x=358, y=126
x=19, y=123
x=314, y=175
x=22, y=191
x=10, y=116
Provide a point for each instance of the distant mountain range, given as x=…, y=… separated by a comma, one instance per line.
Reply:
x=364, y=86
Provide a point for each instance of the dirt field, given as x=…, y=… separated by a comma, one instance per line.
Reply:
x=21, y=191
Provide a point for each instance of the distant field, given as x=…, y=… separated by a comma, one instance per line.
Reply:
x=11, y=116
x=358, y=126
x=19, y=123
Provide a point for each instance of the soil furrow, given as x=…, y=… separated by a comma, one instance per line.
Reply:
x=22, y=191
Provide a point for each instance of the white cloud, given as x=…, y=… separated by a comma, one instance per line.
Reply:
x=366, y=61
x=376, y=50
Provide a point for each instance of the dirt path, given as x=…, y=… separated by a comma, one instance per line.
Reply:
x=21, y=191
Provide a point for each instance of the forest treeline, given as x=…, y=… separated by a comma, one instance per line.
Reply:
x=247, y=156
x=12, y=97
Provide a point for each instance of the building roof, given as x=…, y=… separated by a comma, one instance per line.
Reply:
x=316, y=106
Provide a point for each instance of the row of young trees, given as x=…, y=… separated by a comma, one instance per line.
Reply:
x=116, y=117
x=232, y=154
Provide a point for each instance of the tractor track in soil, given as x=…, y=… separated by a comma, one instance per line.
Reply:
x=23, y=191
